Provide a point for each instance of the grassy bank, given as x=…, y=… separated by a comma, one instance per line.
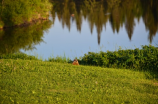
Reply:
x=144, y=59
x=34, y=81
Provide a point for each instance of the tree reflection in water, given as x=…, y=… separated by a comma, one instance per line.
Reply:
x=98, y=13
x=14, y=39
x=118, y=12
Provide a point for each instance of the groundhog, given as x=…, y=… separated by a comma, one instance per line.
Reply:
x=75, y=62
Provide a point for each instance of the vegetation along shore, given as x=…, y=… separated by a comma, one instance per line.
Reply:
x=23, y=12
x=132, y=78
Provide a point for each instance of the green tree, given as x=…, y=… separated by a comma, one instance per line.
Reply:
x=17, y=12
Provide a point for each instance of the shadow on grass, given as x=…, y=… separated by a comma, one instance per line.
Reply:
x=152, y=75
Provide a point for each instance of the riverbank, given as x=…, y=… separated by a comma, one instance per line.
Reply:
x=27, y=79
x=28, y=22
x=144, y=59
x=135, y=59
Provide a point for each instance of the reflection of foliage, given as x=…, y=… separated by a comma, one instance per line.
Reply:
x=64, y=9
x=150, y=17
x=98, y=19
x=22, y=37
x=120, y=12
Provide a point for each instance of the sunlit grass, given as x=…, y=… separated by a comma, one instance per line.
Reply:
x=34, y=81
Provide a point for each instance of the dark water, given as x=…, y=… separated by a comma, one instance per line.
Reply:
x=79, y=26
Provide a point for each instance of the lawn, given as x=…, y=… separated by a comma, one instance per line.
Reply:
x=34, y=81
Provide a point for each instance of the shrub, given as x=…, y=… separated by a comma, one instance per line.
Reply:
x=141, y=59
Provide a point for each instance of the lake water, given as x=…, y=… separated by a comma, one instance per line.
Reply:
x=75, y=28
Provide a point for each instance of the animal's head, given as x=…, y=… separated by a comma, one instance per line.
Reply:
x=75, y=62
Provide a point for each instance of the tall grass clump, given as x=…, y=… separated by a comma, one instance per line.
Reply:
x=145, y=58
x=59, y=59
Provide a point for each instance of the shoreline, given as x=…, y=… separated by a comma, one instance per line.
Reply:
x=25, y=23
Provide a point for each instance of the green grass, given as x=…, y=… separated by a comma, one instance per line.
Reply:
x=34, y=81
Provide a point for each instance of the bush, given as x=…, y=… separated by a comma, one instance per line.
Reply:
x=141, y=59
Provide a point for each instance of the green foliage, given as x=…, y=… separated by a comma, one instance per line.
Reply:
x=17, y=12
x=119, y=13
x=141, y=59
x=59, y=59
x=18, y=56
x=25, y=38
x=37, y=82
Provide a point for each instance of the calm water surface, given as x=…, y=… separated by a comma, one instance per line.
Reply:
x=75, y=28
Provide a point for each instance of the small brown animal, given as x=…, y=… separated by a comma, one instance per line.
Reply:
x=75, y=62
x=72, y=15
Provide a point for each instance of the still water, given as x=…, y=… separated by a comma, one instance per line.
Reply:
x=76, y=27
